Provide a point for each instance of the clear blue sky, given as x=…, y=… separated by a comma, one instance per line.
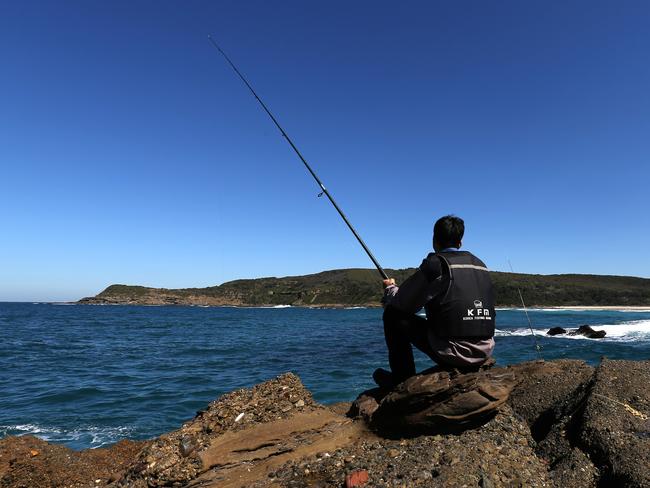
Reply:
x=130, y=152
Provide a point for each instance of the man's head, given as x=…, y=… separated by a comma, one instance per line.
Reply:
x=448, y=232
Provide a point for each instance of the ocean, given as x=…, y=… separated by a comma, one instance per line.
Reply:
x=88, y=376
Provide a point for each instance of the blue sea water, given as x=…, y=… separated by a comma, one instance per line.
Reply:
x=88, y=376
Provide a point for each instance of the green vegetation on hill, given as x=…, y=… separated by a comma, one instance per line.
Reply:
x=571, y=289
x=362, y=287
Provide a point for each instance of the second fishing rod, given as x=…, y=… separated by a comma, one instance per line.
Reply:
x=304, y=161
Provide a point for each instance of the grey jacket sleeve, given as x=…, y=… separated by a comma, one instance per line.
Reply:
x=418, y=288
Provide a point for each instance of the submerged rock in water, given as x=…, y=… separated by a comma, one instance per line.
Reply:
x=588, y=332
x=556, y=331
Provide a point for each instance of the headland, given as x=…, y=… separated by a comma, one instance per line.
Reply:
x=362, y=288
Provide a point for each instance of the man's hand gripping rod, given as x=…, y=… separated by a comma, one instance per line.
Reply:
x=311, y=171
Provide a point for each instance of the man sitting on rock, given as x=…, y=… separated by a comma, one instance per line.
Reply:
x=455, y=289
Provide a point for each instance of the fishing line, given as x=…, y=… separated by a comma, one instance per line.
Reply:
x=538, y=348
x=311, y=171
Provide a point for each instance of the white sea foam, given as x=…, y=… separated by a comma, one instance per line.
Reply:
x=256, y=307
x=534, y=309
x=579, y=309
x=624, y=332
x=635, y=328
x=98, y=436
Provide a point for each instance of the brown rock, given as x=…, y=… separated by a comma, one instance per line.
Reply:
x=442, y=402
x=366, y=403
x=357, y=478
x=179, y=457
x=494, y=451
x=26, y=461
x=342, y=408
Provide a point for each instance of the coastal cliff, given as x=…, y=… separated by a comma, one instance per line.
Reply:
x=564, y=424
x=361, y=287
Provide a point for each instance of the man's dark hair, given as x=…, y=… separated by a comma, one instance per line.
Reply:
x=449, y=231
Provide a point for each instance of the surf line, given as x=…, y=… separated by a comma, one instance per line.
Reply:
x=538, y=348
x=311, y=171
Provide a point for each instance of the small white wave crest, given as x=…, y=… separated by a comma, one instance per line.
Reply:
x=93, y=436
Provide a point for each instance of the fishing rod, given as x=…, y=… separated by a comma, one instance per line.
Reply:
x=538, y=348
x=311, y=171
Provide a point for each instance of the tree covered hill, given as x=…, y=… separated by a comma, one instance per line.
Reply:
x=362, y=287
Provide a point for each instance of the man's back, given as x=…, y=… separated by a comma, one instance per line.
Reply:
x=455, y=289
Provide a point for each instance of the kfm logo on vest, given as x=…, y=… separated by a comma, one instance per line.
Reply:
x=478, y=312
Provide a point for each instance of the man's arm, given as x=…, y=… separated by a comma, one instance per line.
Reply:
x=418, y=288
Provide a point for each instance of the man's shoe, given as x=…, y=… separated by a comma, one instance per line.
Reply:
x=384, y=378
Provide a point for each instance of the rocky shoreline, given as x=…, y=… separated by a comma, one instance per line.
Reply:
x=563, y=424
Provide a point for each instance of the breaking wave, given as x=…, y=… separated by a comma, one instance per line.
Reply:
x=576, y=309
x=91, y=436
x=623, y=332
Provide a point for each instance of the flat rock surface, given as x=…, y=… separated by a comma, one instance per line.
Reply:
x=615, y=425
x=244, y=457
x=545, y=389
x=499, y=454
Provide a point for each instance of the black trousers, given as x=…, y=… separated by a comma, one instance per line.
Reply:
x=402, y=330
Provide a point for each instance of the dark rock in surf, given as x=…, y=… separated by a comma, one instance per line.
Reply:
x=556, y=331
x=588, y=332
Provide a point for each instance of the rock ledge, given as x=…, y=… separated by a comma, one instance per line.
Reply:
x=563, y=424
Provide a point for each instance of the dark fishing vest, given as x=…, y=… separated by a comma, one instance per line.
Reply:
x=465, y=308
